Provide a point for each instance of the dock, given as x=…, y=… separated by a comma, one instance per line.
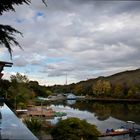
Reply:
x=40, y=111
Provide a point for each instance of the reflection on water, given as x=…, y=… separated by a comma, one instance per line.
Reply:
x=71, y=102
x=103, y=111
x=103, y=115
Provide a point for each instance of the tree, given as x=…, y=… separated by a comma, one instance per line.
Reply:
x=38, y=89
x=118, y=90
x=7, y=32
x=74, y=129
x=18, y=93
x=19, y=78
x=134, y=92
x=78, y=89
x=101, y=88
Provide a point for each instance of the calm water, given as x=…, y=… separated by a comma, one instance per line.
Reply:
x=103, y=115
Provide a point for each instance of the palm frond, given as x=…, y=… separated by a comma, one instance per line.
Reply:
x=6, y=5
x=44, y=2
x=7, y=38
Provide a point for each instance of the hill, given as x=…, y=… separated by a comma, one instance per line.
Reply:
x=125, y=84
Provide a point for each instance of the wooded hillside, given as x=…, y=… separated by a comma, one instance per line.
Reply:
x=121, y=85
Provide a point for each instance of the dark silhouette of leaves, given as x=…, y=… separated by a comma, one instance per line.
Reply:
x=6, y=5
x=7, y=38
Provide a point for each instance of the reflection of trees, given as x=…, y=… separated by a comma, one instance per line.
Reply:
x=127, y=112
x=103, y=111
x=83, y=105
x=120, y=111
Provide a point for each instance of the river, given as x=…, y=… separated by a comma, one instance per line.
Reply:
x=103, y=115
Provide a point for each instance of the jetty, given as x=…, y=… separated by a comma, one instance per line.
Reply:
x=40, y=111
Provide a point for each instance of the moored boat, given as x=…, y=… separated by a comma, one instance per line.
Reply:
x=123, y=130
x=116, y=132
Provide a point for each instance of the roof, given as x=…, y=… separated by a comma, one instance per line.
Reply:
x=5, y=64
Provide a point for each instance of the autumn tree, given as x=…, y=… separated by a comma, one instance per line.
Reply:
x=134, y=92
x=79, y=89
x=118, y=90
x=101, y=88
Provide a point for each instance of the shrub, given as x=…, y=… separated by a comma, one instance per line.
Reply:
x=74, y=129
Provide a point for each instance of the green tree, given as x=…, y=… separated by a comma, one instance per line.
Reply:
x=19, y=78
x=74, y=129
x=38, y=89
x=18, y=93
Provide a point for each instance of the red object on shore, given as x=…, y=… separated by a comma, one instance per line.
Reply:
x=115, y=133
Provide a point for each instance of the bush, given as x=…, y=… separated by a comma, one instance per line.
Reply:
x=34, y=124
x=74, y=129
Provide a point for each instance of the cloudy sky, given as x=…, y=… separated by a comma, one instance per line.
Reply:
x=79, y=38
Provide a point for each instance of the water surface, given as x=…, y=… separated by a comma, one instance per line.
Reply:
x=103, y=115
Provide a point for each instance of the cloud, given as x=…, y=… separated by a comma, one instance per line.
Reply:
x=83, y=39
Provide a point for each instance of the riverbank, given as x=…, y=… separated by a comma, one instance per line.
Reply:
x=89, y=98
x=112, y=100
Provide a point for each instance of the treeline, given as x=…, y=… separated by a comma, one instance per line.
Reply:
x=121, y=85
x=19, y=91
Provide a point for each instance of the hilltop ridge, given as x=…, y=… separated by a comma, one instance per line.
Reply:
x=124, y=84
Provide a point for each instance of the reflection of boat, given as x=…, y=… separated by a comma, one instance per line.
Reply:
x=71, y=102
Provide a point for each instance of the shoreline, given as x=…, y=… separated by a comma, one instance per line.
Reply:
x=111, y=100
x=107, y=100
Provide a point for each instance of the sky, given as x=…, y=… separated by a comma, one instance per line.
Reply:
x=77, y=39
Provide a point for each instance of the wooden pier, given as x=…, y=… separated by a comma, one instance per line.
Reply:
x=40, y=111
